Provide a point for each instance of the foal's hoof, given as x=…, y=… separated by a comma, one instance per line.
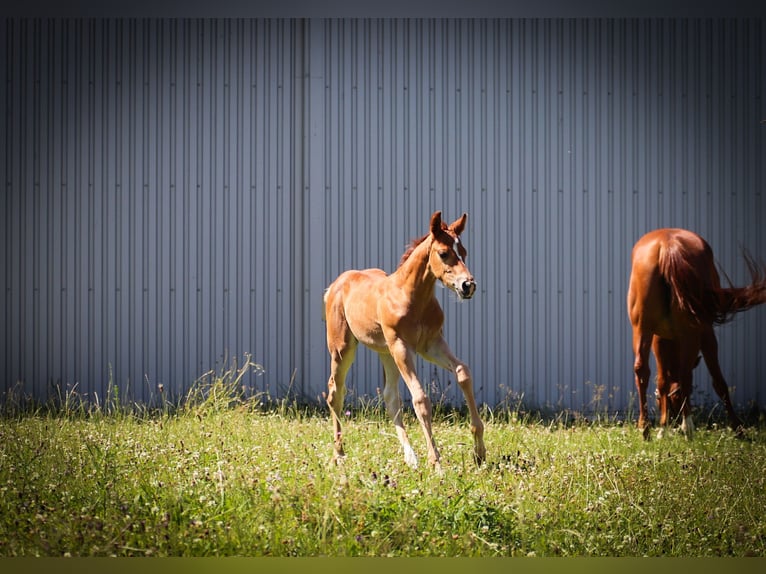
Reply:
x=410, y=458
x=337, y=458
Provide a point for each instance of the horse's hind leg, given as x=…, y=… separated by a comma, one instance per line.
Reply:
x=709, y=348
x=394, y=406
x=665, y=358
x=642, y=343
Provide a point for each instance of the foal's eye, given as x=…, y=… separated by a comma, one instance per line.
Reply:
x=444, y=255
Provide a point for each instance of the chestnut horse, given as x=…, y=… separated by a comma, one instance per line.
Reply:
x=398, y=317
x=674, y=300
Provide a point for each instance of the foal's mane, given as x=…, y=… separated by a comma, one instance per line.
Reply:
x=411, y=247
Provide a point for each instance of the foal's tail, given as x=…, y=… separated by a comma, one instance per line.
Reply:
x=324, y=304
x=693, y=282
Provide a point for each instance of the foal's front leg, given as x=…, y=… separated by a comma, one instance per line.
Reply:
x=439, y=353
x=404, y=358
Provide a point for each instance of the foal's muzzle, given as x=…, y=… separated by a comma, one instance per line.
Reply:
x=467, y=289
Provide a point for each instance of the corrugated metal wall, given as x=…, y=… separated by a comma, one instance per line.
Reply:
x=150, y=228
x=179, y=192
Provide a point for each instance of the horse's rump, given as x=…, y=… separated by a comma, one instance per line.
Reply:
x=689, y=271
x=688, y=267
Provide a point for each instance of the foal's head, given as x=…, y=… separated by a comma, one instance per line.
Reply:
x=446, y=257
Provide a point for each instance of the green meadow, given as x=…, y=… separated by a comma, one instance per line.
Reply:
x=224, y=476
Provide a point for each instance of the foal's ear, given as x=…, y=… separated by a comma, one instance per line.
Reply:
x=459, y=226
x=436, y=222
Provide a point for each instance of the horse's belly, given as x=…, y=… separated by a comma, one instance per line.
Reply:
x=676, y=325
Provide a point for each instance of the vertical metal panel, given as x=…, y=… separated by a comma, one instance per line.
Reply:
x=149, y=203
x=565, y=140
x=180, y=192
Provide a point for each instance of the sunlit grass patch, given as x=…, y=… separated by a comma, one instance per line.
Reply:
x=225, y=477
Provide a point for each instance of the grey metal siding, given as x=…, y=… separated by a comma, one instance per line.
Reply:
x=564, y=140
x=149, y=172
x=178, y=193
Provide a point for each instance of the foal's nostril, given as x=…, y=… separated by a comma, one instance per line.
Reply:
x=468, y=288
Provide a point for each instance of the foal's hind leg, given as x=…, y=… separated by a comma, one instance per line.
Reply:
x=341, y=358
x=709, y=348
x=394, y=406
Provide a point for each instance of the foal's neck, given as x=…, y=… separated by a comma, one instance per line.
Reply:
x=414, y=274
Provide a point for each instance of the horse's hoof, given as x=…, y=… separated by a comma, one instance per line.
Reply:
x=687, y=428
x=647, y=432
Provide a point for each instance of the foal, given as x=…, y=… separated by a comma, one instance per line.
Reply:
x=674, y=300
x=398, y=317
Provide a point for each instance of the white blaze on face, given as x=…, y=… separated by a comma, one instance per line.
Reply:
x=457, y=242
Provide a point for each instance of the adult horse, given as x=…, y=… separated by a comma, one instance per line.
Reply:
x=674, y=300
x=398, y=317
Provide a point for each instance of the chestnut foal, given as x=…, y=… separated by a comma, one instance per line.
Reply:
x=398, y=317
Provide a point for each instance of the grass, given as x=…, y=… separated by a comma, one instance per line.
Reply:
x=223, y=476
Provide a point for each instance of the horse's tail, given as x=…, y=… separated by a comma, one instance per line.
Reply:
x=693, y=289
x=690, y=290
x=732, y=299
